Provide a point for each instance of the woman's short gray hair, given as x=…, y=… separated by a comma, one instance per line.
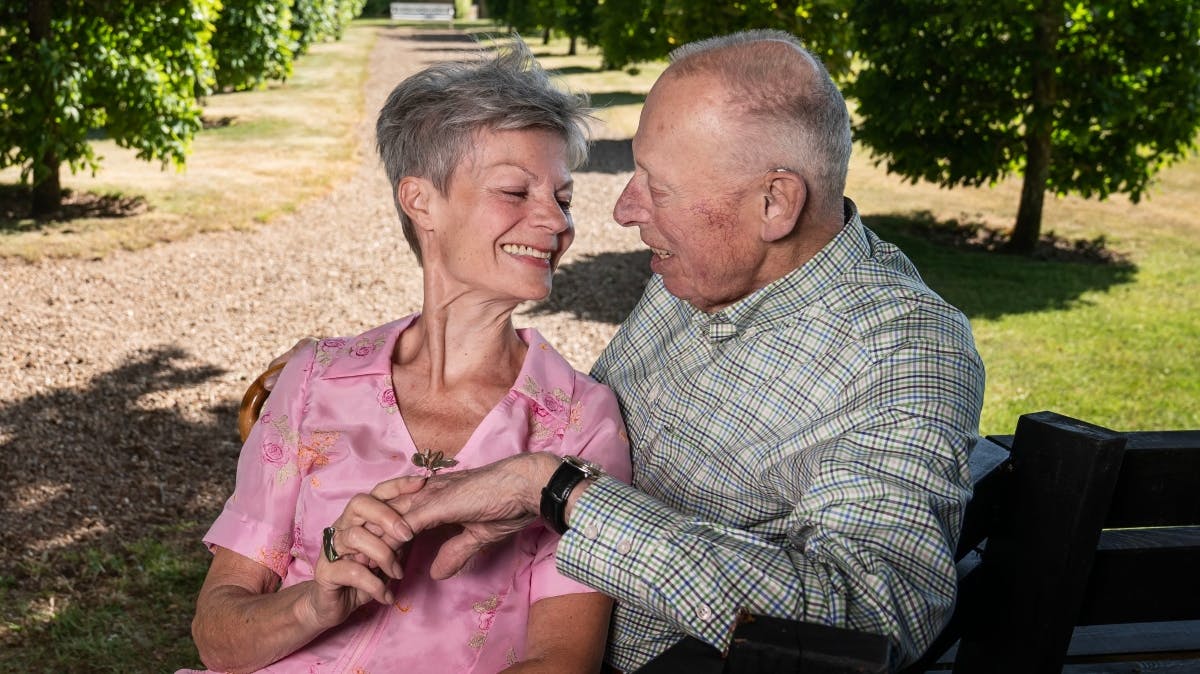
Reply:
x=427, y=124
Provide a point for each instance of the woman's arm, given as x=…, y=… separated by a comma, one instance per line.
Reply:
x=241, y=623
x=566, y=634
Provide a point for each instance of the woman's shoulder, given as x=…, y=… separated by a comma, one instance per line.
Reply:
x=369, y=349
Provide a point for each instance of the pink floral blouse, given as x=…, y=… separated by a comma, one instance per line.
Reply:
x=332, y=429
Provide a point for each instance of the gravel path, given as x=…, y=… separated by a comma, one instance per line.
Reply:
x=119, y=384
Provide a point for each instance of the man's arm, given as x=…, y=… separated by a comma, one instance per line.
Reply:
x=851, y=519
x=880, y=563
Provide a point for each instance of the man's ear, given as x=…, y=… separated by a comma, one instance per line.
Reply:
x=414, y=196
x=784, y=196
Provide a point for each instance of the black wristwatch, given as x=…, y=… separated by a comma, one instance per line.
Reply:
x=554, y=495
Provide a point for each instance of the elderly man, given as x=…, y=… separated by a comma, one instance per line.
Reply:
x=799, y=403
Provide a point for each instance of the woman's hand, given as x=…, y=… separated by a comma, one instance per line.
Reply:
x=369, y=538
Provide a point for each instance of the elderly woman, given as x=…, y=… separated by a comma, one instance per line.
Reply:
x=312, y=571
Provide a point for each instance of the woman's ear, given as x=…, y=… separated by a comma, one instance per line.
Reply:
x=784, y=195
x=414, y=196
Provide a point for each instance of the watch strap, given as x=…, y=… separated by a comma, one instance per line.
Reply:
x=558, y=490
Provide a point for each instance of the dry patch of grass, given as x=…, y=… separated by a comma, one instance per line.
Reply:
x=261, y=154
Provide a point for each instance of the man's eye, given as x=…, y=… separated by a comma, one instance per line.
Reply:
x=565, y=205
x=519, y=194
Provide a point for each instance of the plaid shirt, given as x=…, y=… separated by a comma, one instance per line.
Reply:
x=801, y=453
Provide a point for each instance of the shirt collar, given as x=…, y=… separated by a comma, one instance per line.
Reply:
x=799, y=288
x=371, y=354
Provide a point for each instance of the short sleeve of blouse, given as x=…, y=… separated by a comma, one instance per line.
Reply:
x=257, y=521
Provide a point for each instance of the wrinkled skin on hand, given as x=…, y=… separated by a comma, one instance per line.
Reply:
x=370, y=539
x=491, y=503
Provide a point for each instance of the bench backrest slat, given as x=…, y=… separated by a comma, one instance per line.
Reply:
x=1160, y=481
x=1040, y=550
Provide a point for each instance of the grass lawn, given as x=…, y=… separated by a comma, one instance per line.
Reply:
x=1115, y=344
x=235, y=175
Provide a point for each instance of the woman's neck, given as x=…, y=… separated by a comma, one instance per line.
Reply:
x=459, y=342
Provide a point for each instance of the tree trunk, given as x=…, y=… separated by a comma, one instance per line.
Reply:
x=546, y=35
x=571, y=49
x=1038, y=128
x=47, y=190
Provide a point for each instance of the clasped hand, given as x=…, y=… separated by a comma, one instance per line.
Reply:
x=489, y=503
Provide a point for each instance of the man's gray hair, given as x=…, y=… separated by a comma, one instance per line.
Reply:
x=805, y=109
x=428, y=123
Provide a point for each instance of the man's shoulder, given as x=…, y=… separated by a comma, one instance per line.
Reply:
x=652, y=323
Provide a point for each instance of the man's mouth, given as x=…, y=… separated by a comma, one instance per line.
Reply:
x=517, y=249
x=660, y=252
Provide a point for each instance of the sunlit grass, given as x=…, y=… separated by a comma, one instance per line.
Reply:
x=116, y=607
x=1118, y=350
x=265, y=152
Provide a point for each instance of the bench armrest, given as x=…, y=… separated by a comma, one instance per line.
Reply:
x=767, y=645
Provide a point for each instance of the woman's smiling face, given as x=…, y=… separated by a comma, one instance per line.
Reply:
x=505, y=220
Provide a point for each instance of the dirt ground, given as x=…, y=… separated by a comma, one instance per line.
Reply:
x=120, y=377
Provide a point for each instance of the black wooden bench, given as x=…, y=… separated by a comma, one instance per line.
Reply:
x=1080, y=550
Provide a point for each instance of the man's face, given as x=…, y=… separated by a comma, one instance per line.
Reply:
x=692, y=203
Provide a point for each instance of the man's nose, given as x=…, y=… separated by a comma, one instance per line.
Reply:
x=628, y=211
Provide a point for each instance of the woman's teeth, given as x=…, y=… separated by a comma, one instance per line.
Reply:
x=514, y=249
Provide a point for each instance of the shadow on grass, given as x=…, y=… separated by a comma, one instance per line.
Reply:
x=15, y=210
x=602, y=287
x=125, y=477
x=964, y=264
x=609, y=156
x=574, y=70
x=608, y=99
x=958, y=261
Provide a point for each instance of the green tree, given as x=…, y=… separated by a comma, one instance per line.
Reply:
x=635, y=30
x=1090, y=97
x=320, y=20
x=70, y=67
x=631, y=30
x=252, y=43
x=577, y=18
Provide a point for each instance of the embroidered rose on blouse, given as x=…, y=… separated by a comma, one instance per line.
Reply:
x=551, y=403
x=365, y=347
x=550, y=416
x=327, y=348
x=297, y=540
x=277, y=556
x=316, y=449
x=387, y=399
x=486, y=610
x=272, y=453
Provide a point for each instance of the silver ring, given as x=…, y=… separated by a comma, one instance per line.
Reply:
x=327, y=544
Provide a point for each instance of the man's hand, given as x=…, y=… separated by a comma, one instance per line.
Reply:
x=272, y=377
x=491, y=503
